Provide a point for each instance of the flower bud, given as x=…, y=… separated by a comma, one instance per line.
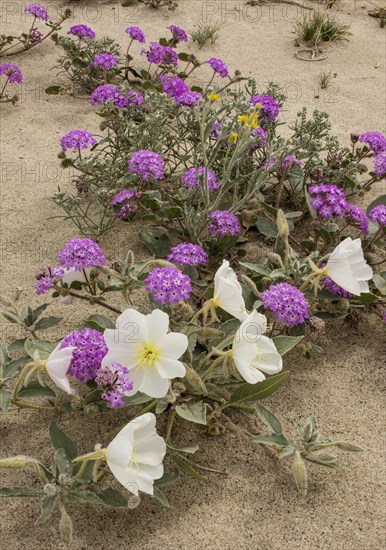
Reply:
x=65, y=526
x=4, y=301
x=19, y=461
x=354, y=137
x=282, y=224
x=300, y=474
x=91, y=409
x=133, y=501
x=50, y=489
x=196, y=381
x=316, y=323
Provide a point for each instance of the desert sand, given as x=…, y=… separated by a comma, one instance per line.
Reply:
x=255, y=505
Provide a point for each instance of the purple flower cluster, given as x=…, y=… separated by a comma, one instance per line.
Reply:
x=378, y=214
x=188, y=254
x=224, y=223
x=77, y=139
x=161, y=55
x=81, y=254
x=218, y=66
x=375, y=141
x=82, y=31
x=90, y=348
x=269, y=106
x=40, y=12
x=216, y=129
x=124, y=200
x=136, y=34
x=110, y=93
x=288, y=162
x=287, y=304
x=35, y=35
x=335, y=289
x=134, y=98
x=355, y=215
x=380, y=164
x=179, y=35
x=168, y=285
x=105, y=60
x=13, y=73
x=328, y=200
x=191, y=178
x=147, y=164
x=44, y=279
x=261, y=136
x=112, y=379
x=188, y=98
x=176, y=88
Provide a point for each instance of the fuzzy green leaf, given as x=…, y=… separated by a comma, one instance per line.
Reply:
x=194, y=412
x=285, y=343
x=60, y=440
x=269, y=419
x=255, y=392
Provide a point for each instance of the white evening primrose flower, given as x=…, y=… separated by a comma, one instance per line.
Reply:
x=228, y=292
x=57, y=366
x=348, y=268
x=135, y=455
x=253, y=353
x=142, y=344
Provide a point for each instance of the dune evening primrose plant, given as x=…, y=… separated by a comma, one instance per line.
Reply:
x=136, y=454
x=347, y=267
x=143, y=345
x=253, y=353
x=57, y=365
x=228, y=294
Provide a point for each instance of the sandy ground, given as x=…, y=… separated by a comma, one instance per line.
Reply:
x=255, y=506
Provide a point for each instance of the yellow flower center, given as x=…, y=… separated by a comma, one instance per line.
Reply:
x=147, y=354
x=215, y=302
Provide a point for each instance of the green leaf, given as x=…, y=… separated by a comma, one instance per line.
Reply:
x=53, y=90
x=48, y=504
x=34, y=389
x=5, y=399
x=16, y=346
x=255, y=392
x=19, y=492
x=47, y=322
x=87, y=497
x=285, y=343
x=379, y=200
x=99, y=322
x=62, y=463
x=168, y=479
x=183, y=56
x=194, y=412
x=42, y=346
x=367, y=298
x=185, y=467
x=171, y=212
x=259, y=269
x=191, y=449
x=380, y=283
x=13, y=367
x=269, y=419
x=111, y=498
x=323, y=460
x=156, y=240
x=266, y=227
x=161, y=497
x=137, y=399
x=273, y=440
x=60, y=440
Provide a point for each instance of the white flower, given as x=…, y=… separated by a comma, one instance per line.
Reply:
x=228, y=292
x=348, y=268
x=70, y=276
x=254, y=353
x=57, y=366
x=135, y=455
x=142, y=344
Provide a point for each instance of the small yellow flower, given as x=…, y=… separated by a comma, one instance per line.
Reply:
x=214, y=97
x=233, y=137
x=249, y=120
